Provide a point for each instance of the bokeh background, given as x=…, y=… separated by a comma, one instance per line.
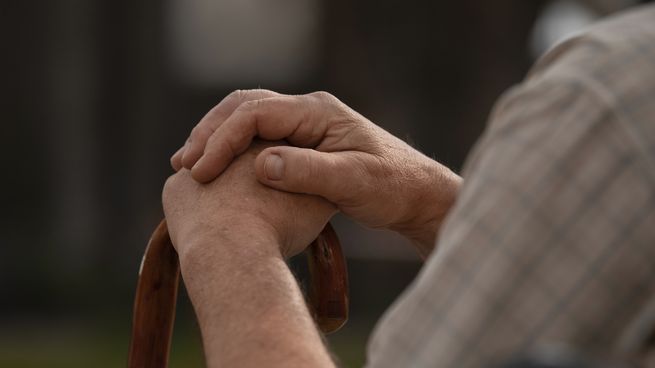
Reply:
x=96, y=95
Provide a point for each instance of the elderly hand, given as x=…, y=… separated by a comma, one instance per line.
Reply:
x=237, y=205
x=231, y=236
x=370, y=175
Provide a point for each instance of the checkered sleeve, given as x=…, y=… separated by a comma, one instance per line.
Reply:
x=552, y=238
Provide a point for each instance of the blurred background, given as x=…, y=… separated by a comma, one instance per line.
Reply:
x=98, y=94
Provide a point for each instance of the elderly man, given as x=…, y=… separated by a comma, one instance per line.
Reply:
x=548, y=239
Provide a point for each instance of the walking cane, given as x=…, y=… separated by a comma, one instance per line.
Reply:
x=156, y=294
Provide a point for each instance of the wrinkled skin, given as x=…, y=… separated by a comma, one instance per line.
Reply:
x=237, y=203
x=368, y=174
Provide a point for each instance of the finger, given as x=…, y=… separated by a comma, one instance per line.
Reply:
x=196, y=144
x=214, y=118
x=304, y=170
x=176, y=159
x=298, y=119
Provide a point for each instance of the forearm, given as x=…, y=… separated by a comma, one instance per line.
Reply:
x=250, y=309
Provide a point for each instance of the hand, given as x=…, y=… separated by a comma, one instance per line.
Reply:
x=231, y=236
x=236, y=204
x=370, y=175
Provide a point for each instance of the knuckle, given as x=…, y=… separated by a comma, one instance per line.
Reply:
x=235, y=95
x=325, y=98
x=195, y=133
x=234, y=98
x=250, y=106
x=200, y=133
x=244, y=95
x=322, y=95
x=261, y=93
x=327, y=104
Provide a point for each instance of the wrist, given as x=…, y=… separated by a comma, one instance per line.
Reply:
x=429, y=205
x=226, y=240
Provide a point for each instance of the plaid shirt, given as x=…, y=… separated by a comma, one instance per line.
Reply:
x=552, y=238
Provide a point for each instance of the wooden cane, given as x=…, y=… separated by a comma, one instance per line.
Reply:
x=156, y=294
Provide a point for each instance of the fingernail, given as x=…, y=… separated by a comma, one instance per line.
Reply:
x=274, y=167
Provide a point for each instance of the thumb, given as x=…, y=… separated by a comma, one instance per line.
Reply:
x=303, y=170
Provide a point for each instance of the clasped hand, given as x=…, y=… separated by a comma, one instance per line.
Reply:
x=337, y=159
x=235, y=205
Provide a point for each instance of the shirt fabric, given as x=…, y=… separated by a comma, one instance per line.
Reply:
x=552, y=238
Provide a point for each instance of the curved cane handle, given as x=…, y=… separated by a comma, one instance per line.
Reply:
x=156, y=294
x=328, y=291
x=154, y=302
